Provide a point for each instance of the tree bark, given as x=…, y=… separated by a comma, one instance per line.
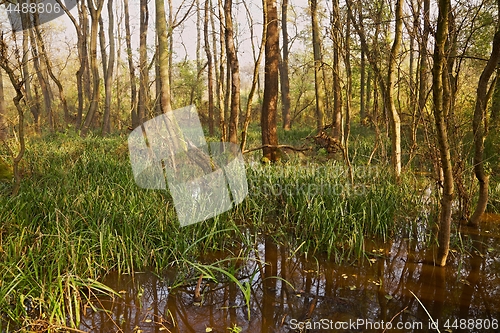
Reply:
x=495, y=103
x=210, y=70
x=41, y=76
x=3, y=125
x=424, y=65
x=441, y=97
x=284, y=75
x=318, y=64
x=222, y=89
x=163, y=56
x=389, y=95
x=348, y=100
x=480, y=131
x=362, y=85
x=48, y=66
x=270, y=102
x=32, y=104
x=255, y=80
x=131, y=68
x=143, y=64
x=233, y=64
x=95, y=14
x=17, y=84
x=337, y=94
x=108, y=75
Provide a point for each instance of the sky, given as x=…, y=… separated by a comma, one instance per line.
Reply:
x=184, y=35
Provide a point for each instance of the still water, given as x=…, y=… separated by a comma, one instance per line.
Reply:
x=395, y=288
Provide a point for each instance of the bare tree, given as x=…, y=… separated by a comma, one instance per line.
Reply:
x=143, y=64
x=479, y=128
x=131, y=67
x=389, y=95
x=40, y=71
x=387, y=85
x=284, y=75
x=337, y=94
x=17, y=83
x=234, y=67
x=48, y=65
x=3, y=111
x=163, y=56
x=441, y=97
x=318, y=67
x=270, y=102
x=255, y=80
x=210, y=69
x=95, y=13
x=30, y=100
x=108, y=73
x=82, y=74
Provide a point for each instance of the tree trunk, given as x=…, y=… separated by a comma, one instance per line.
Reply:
x=348, y=100
x=389, y=95
x=362, y=85
x=48, y=66
x=95, y=14
x=270, y=102
x=34, y=109
x=108, y=75
x=143, y=65
x=318, y=64
x=495, y=103
x=424, y=65
x=480, y=131
x=284, y=75
x=158, y=109
x=255, y=80
x=82, y=74
x=441, y=97
x=337, y=94
x=210, y=70
x=17, y=84
x=3, y=124
x=163, y=56
x=232, y=59
x=131, y=68
x=40, y=74
x=217, y=87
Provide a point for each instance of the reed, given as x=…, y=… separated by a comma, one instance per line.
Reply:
x=79, y=216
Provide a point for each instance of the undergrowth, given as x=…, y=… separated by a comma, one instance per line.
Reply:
x=80, y=215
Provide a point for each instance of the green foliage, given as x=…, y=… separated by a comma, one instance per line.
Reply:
x=80, y=215
x=5, y=171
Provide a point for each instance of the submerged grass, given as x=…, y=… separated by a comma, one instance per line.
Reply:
x=79, y=216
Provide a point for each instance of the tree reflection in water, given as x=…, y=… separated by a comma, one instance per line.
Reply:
x=375, y=288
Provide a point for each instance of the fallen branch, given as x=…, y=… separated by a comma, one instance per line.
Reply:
x=278, y=147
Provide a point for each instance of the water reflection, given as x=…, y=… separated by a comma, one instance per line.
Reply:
x=369, y=296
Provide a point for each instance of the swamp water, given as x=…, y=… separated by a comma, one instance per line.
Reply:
x=395, y=288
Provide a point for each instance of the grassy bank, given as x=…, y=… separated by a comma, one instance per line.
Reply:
x=79, y=215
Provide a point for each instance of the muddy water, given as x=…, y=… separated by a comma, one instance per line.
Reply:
x=372, y=295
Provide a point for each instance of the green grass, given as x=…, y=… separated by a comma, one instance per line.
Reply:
x=80, y=215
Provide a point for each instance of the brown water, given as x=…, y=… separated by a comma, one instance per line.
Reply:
x=371, y=295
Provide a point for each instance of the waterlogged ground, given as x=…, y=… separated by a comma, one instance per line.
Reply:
x=376, y=294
